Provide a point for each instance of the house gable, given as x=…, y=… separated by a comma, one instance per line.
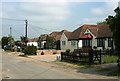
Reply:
x=87, y=31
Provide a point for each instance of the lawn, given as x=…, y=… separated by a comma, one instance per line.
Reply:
x=108, y=59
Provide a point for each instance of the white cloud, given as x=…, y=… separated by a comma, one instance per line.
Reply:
x=106, y=9
x=97, y=11
x=90, y=20
x=45, y=12
x=59, y=1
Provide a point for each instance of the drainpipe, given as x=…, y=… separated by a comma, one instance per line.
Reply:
x=77, y=44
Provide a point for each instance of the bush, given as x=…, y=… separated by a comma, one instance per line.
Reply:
x=119, y=65
x=55, y=52
x=42, y=53
x=68, y=50
x=9, y=48
x=95, y=47
x=30, y=50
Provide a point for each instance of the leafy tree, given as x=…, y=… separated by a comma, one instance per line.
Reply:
x=42, y=34
x=114, y=24
x=7, y=41
x=101, y=23
x=17, y=42
x=4, y=41
x=50, y=42
x=23, y=39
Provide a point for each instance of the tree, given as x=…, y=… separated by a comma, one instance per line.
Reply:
x=114, y=24
x=7, y=41
x=101, y=23
x=50, y=42
x=23, y=39
x=4, y=41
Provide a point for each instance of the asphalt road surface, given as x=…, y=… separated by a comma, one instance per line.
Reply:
x=16, y=68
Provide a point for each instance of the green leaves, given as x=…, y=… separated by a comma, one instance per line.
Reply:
x=114, y=24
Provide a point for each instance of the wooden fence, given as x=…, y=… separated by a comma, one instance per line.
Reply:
x=85, y=56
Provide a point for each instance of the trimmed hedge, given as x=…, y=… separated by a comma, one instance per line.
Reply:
x=30, y=50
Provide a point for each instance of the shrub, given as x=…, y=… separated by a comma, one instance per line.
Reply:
x=55, y=52
x=30, y=50
x=9, y=48
x=42, y=53
x=119, y=65
x=68, y=50
x=95, y=47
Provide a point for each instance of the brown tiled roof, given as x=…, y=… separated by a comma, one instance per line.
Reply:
x=57, y=35
x=68, y=34
x=76, y=34
x=33, y=40
x=54, y=33
x=104, y=31
x=43, y=38
x=30, y=40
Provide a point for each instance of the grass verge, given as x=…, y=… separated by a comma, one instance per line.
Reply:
x=74, y=65
x=23, y=55
x=114, y=73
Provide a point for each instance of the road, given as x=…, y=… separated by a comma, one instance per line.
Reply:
x=16, y=68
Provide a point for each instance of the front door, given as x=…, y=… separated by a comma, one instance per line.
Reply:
x=87, y=44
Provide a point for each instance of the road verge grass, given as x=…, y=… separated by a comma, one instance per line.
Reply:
x=114, y=73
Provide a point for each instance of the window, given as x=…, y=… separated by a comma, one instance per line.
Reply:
x=73, y=43
x=63, y=43
x=110, y=42
x=87, y=43
x=100, y=42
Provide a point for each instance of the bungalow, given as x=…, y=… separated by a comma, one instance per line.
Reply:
x=33, y=41
x=42, y=41
x=88, y=37
x=58, y=35
x=104, y=37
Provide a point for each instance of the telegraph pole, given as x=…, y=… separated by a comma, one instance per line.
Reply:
x=26, y=31
x=11, y=38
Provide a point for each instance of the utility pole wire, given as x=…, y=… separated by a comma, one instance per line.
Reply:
x=40, y=28
x=12, y=19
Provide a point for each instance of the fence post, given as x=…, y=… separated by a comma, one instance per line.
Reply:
x=90, y=56
x=73, y=58
x=61, y=56
x=110, y=51
x=100, y=56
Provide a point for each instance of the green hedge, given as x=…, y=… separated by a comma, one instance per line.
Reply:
x=30, y=50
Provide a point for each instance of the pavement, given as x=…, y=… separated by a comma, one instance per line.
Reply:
x=15, y=67
x=46, y=58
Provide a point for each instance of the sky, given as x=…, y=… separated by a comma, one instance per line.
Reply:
x=46, y=16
